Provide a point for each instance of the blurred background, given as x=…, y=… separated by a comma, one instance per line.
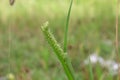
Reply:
x=25, y=53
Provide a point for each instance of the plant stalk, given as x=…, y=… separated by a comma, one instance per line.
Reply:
x=117, y=37
x=63, y=57
x=66, y=28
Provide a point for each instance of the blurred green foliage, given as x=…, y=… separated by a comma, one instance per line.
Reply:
x=92, y=29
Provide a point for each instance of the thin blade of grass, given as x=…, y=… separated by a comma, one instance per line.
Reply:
x=117, y=37
x=66, y=28
x=90, y=70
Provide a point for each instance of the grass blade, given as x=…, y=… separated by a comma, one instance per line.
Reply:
x=90, y=70
x=66, y=28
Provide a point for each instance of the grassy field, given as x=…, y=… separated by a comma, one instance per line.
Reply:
x=25, y=53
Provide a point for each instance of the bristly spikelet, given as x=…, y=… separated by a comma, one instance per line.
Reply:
x=63, y=58
x=52, y=41
x=45, y=26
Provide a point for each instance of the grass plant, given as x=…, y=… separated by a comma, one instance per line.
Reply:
x=91, y=27
x=61, y=54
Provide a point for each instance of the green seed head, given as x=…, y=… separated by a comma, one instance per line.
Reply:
x=45, y=26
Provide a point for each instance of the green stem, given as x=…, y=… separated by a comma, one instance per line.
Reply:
x=66, y=28
x=90, y=70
